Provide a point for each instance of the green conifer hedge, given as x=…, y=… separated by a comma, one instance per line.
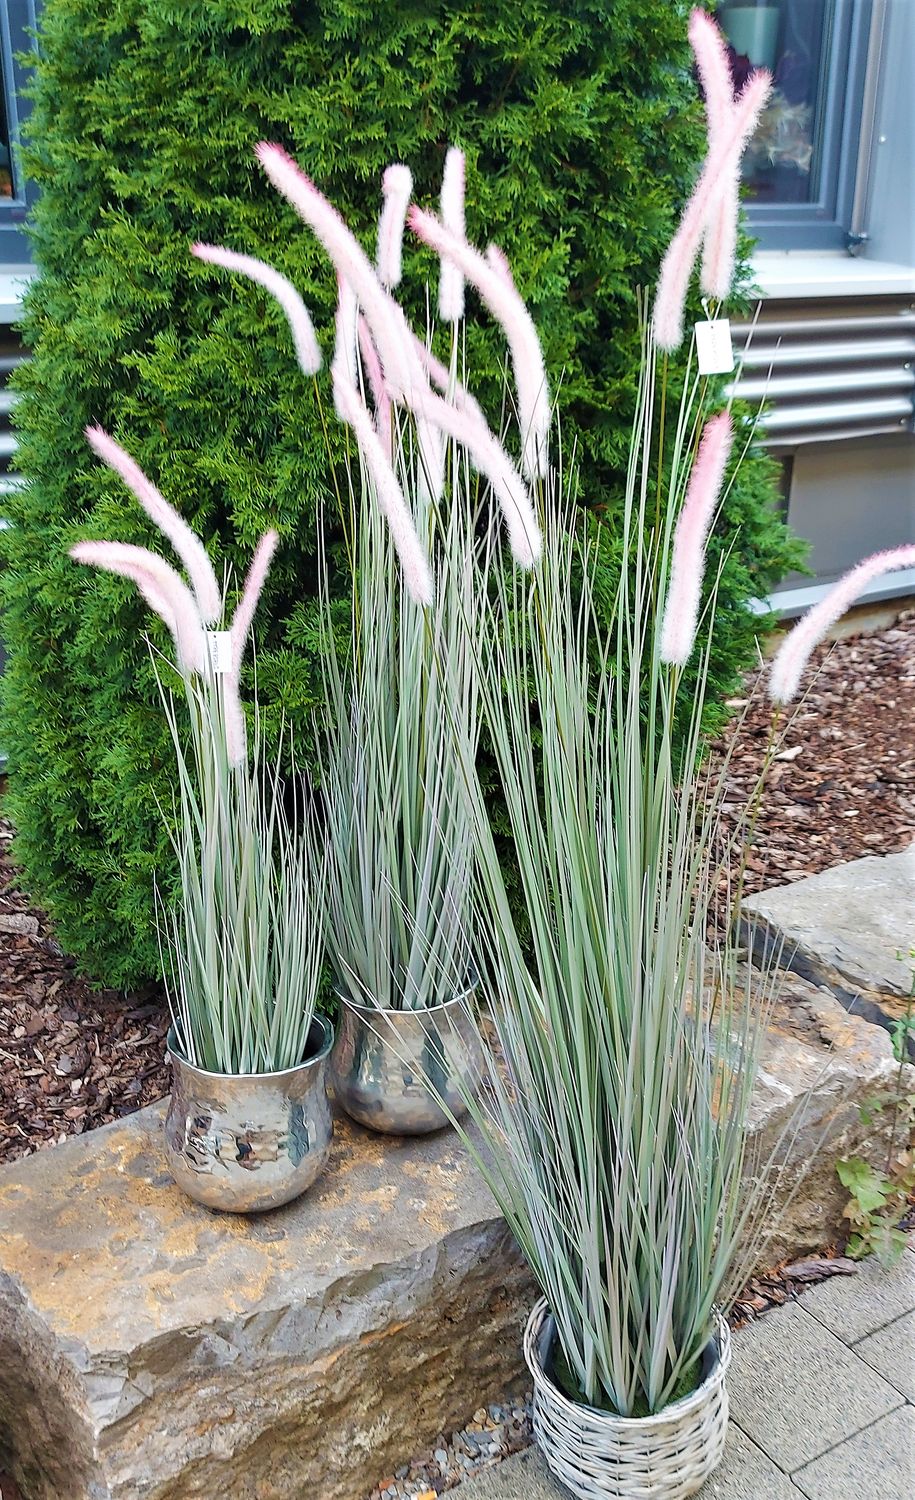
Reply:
x=582, y=134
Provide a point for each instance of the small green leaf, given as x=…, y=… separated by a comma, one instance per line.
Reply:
x=867, y=1186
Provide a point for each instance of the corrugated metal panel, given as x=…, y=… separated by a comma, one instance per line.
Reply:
x=828, y=370
x=12, y=355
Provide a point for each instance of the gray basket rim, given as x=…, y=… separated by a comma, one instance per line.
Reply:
x=685, y=1407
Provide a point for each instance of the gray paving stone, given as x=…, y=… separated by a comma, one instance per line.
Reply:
x=524, y=1477
x=891, y=1352
x=796, y=1389
x=876, y=1464
x=745, y=1474
x=854, y=1306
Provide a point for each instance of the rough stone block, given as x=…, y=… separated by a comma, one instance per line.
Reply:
x=853, y=924
x=153, y=1350
x=819, y=1065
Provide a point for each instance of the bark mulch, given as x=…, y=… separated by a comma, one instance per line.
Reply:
x=72, y=1057
x=843, y=784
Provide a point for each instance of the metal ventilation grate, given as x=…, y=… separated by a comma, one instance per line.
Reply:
x=829, y=370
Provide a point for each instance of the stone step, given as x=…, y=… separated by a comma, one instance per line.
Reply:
x=153, y=1350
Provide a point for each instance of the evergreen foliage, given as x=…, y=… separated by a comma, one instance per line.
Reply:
x=582, y=134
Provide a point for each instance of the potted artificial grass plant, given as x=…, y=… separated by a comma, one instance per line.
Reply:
x=399, y=933
x=624, y=1035
x=399, y=927
x=248, y=1124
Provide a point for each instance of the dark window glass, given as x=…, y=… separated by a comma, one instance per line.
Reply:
x=783, y=162
x=6, y=154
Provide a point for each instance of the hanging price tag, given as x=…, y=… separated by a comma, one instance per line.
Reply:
x=713, y=347
x=219, y=643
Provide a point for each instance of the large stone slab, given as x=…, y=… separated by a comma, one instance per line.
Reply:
x=153, y=1350
x=853, y=925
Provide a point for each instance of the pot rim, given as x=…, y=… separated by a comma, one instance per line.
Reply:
x=370, y=1008
x=684, y=1407
x=322, y=1053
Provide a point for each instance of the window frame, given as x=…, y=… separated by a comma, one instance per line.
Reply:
x=17, y=19
x=825, y=223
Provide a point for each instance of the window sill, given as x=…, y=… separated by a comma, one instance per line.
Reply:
x=14, y=281
x=787, y=274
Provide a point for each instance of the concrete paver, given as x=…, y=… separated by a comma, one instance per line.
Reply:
x=878, y=1463
x=891, y=1352
x=854, y=1306
x=797, y=1390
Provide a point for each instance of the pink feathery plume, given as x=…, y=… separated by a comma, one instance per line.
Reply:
x=374, y=374
x=498, y=260
x=509, y=310
x=304, y=338
x=188, y=547
x=681, y=612
x=233, y=713
x=451, y=280
x=486, y=453
x=162, y=588
x=384, y=316
x=346, y=322
x=397, y=185
x=720, y=243
x=682, y=251
x=449, y=385
x=792, y=656
x=352, y=410
x=489, y=457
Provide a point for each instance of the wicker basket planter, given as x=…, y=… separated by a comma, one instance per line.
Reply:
x=598, y=1456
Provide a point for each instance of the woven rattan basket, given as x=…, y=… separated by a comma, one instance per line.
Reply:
x=603, y=1457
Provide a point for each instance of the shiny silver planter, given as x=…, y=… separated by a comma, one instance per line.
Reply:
x=244, y=1143
x=389, y=1068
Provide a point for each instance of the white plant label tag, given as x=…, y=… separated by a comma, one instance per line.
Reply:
x=713, y=347
x=219, y=643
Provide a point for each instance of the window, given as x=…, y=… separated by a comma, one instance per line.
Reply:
x=801, y=166
x=17, y=18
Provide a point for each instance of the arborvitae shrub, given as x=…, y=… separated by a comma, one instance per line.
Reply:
x=582, y=135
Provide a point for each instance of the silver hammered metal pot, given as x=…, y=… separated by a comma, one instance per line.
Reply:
x=244, y=1143
x=390, y=1067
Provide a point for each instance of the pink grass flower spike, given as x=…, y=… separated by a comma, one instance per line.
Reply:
x=374, y=374
x=397, y=185
x=723, y=158
x=795, y=651
x=161, y=587
x=451, y=280
x=509, y=310
x=681, y=611
x=720, y=242
x=189, y=547
x=236, y=737
x=352, y=410
x=382, y=313
x=308, y=351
